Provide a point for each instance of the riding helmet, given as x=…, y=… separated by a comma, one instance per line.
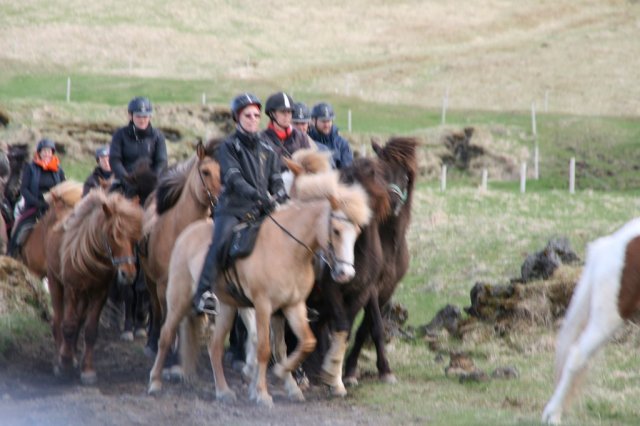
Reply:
x=46, y=143
x=242, y=101
x=301, y=113
x=140, y=105
x=103, y=151
x=278, y=102
x=323, y=111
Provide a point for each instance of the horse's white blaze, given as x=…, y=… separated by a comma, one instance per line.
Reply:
x=344, y=252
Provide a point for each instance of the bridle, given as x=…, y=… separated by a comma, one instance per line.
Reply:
x=403, y=195
x=331, y=260
x=213, y=200
x=117, y=261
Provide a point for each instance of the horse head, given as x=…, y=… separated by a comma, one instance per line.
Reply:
x=209, y=172
x=18, y=156
x=399, y=164
x=141, y=182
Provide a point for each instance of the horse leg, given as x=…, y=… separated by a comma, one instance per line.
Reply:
x=597, y=332
x=279, y=352
x=331, y=370
x=297, y=317
x=224, y=321
x=70, y=325
x=167, y=336
x=57, y=301
x=127, y=292
x=263, y=318
x=248, y=316
x=351, y=364
x=88, y=373
x=141, y=308
x=155, y=319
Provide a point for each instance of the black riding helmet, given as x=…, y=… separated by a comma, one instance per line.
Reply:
x=300, y=113
x=103, y=151
x=242, y=101
x=323, y=111
x=278, y=102
x=46, y=143
x=140, y=105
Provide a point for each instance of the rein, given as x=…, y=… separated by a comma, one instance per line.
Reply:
x=213, y=200
x=117, y=261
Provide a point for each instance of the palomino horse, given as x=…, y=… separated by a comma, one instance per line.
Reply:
x=381, y=261
x=94, y=245
x=607, y=294
x=185, y=194
x=61, y=199
x=277, y=275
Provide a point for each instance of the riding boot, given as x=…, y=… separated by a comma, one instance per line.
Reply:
x=204, y=299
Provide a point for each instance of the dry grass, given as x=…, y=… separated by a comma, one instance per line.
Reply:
x=490, y=54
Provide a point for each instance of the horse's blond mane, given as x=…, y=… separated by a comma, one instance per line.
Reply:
x=87, y=228
x=354, y=202
x=69, y=191
x=312, y=160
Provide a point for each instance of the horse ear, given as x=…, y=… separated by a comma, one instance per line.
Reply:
x=376, y=148
x=295, y=168
x=335, y=204
x=107, y=210
x=200, y=151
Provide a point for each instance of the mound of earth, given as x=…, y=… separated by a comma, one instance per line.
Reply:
x=20, y=291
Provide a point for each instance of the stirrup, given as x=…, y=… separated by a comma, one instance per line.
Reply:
x=208, y=304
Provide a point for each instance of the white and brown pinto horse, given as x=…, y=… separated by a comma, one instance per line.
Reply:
x=279, y=274
x=607, y=294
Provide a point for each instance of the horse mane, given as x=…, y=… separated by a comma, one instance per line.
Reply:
x=171, y=185
x=211, y=147
x=401, y=151
x=142, y=181
x=369, y=173
x=83, y=242
x=69, y=191
x=312, y=160
x=354, y=202
x=316, y=186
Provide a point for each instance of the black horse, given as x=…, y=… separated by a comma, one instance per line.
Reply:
x=382, y=259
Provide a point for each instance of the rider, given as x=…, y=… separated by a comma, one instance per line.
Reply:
x=137, y=141
x=38, y=177
x=301, y=117
x=284, y=138
x=250, y=173
x=325, y=133
x=101, y=172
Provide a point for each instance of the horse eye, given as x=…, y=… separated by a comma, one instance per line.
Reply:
x=336, y=233
x=206, y=173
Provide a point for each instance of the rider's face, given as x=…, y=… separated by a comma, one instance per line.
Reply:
x=141, y=121
x=282, y=118
x=324, y=126
x=249, y=119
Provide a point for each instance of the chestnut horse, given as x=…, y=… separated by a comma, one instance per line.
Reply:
x=607, y=294
x=186, y=193
x=93, y=246
x=61, y=199
x=381, y=261
x=278, y=274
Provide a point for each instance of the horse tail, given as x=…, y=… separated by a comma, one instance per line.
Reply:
x=190, y=328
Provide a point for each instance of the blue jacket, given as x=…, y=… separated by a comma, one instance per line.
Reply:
x=342, y=155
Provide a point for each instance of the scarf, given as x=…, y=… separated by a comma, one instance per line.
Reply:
x=52, y=166
x=281, y=134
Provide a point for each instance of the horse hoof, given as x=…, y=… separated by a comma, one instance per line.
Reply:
x=176, y=374
x=226, y=396
x=296, y=395
x=265, y=401
x=351, y=381
x=389, y=379
x=88, y=378
x=127, y=336
x=339, y=391
x=155, y=387
x=140, y=333
x=550, y=417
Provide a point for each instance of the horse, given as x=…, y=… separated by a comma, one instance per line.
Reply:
x=381, y=260
x=607, y=294
x=61, y=199
x=94, y=245
x=186, y=193
x=268, y=282
x=18, y=156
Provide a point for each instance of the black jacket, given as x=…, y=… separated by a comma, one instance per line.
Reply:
x=249, y=167
x=129, y=145
x=93, y=180
x=295, y=141
x=35, y=182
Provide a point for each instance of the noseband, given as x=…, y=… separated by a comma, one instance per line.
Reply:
x=117, y=261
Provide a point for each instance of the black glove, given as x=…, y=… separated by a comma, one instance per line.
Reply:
x=282, y=198
x=265, y=204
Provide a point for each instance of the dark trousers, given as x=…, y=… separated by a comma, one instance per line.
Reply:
x=221, y=233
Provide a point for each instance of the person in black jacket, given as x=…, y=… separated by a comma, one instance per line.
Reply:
x=284, y=138
x=101, y=172
x=137, y=141
x=38, y=177
x=250, y=173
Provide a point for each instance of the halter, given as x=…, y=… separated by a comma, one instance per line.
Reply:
x=399, y=192
x=117, y=261
x=213, y=200
x=331, y=260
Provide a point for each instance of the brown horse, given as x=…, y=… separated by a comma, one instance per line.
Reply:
x=94, y=245
x=381, y=260
x=61, y=199
x=277, y=275
x=185, y=194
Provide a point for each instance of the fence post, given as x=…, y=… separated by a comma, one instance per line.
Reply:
x=349, y=120
x=443, y=178
x=523, y=178
x=572, y=175
x=204, y=98
x=536, y=160
x=534, y=129
x=485, y=175
x=68, y=89
x=445, y=104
